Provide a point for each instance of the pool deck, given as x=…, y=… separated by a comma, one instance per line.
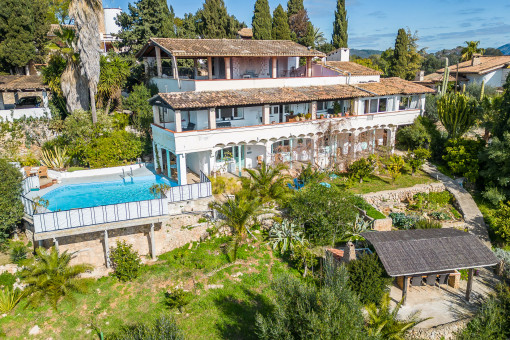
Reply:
x=137, y=172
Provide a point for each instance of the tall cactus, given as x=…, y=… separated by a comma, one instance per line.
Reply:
x=457, y=113
x=446, y=77
x=482, y=92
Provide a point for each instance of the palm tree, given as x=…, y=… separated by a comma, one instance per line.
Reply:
x=267, y=182
x=383, y=323
x=470, y=49
x=237, y=213
x=51, y=278
x=87, y=15
x=318, y=37
x=114, y=73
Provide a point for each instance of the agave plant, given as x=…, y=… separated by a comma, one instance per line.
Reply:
x=56, y=158
x=9, y=298
x=285, y=236
x=359, y=226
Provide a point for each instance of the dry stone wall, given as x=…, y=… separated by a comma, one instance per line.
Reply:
x=378, y=198
x=446, y=331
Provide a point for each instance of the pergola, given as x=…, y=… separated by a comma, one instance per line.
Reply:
x=407, y=253
x=21, y=83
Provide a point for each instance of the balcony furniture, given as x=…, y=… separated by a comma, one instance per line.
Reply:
x=27, y=170
x=443, y=279
x=43, y=171
x=260, y=159
x=430, y=280
x=416, y=281
x=223, y=124
x=190, y=127
x=246, y=76
x=284, y=73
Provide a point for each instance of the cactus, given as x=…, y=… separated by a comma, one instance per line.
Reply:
x=446, y=77
x=482, y=92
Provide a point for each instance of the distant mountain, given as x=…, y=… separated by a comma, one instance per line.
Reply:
x=505, y=49
x=364, y=53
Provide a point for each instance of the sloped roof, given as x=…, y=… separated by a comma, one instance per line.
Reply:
x=279, y=95
x=354, y=69
x=21, y=83
x=245, y=32
x=56, y=27
x=487, y=64
x=409, y=252
x=200, y=48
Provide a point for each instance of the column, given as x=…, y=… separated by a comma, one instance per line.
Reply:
x=178, y=121
x=106, y=249
x=354, y=143
x=155, y=114
x=404, y=290
x=2, y=107
x=45, y=99
x=313, y=110
x=211, y=117
x=158, y=60
x=154, y=154
x=268, y=158
x=209, y=67
x=195, y=68
x=373, y=140
x=181, y=169
x=290, y=146
x=308, y=66
x=469, y=284
x=265, y=114
x=391, y=138
x=169, y=173
x=274, y=68
x=146, y=66
x=355, y=109
x=227, y=69
x=153, y=242
x=16, y=97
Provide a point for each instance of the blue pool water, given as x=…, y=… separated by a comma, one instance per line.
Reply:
x=87, y=195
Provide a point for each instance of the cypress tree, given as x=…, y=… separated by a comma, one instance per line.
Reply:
x=294, y=6
x=400, y=55
x=281, y=30
x=340, y=25
x=261, y=21
x=214, y=22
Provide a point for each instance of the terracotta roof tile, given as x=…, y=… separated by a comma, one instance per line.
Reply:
x=487, y=64
x=245, y=32
x=389, y=86
x=15, y=83
x=355, y=69
x=229, y=48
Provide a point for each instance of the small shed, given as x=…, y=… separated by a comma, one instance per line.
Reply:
x=408, y=253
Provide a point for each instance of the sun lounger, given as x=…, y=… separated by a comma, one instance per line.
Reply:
x=431, y=280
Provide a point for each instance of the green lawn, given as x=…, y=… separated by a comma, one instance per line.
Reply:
x=384, y=182
x=224, y=313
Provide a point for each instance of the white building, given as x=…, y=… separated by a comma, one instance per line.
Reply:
x=238, y=105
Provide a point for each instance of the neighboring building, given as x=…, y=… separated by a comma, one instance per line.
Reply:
x=245, y=33
x=492, y=70
x=238, y=106
x=23, y=96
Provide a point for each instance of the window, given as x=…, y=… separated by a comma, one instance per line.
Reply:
x=404, y=103
x=322, y=106
x=224, y=154
x=286, y=108
x=166, y=115
x=373, y=105
x=230, y=113
x=275, y=109
x=382, y=105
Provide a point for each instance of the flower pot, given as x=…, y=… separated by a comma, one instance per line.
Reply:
x=158, y=171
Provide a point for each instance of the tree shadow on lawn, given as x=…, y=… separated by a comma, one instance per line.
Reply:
x=238, y=321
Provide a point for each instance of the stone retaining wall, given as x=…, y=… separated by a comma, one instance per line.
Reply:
x=446, y=331
x=399, y=195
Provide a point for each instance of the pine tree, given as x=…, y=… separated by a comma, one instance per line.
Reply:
x=214, y=22
x=145, y=19
x=280, y=30
x=400, y=55
x=308, y=39
x=340, y=25
x=261, y=21
x=294, y=6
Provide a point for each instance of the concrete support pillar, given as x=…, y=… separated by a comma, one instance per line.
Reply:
x=268, y=158
x=55, y=244
x=391, y=138
x=195, y=68
x=313, y=109
x=158, y=61
x=2, y=106
x=354, y=144
x=265, y=114
x=404, y=290
x=209, y=67
x=169, y=173
x=155, y=114
x=228, y=74
x=469, y=284
x=153, y=242
x=309, y=66
x=46, y=102
x=181, y=169
x=211, y=117
x=178, y=121
x=16, y=97
x=372, y=140
x=106, y=249
x=154, y=154
x=274, y=71
x=290, y=146
x=355, y=107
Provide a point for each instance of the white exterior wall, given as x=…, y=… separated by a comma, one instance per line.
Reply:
x=38, y=112
x=109, y=20
x=198, y=161
x=495, y=78
x=341, y=54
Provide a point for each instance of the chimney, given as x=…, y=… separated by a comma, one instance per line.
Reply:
x=476, y=59
x=345, y=54
x=349, y=252
x=420, y=76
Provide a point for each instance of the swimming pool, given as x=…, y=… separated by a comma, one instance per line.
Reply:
x=86, y=195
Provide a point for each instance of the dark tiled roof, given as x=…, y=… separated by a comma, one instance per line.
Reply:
x=354, y=69
x=189, y=48
x=408, y=252
x=389, y=86
x=278, y=95
x=486, y=65
x=15, y=83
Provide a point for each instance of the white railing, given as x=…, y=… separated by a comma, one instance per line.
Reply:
x=30, y=183
x=189, y=192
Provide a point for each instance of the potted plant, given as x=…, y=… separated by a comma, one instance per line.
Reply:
x=158, y=165
x=308, y=116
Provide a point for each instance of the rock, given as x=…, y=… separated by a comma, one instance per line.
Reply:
x=237, y=274
x=190, y=245
x=34, y=330
x=220, y=286
x=256, y=231
x=4, y=315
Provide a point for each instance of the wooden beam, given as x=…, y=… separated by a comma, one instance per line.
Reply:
x=158, y=61
x=227, y=68
x=469, y=284
x=404, y=290
x=209, y=67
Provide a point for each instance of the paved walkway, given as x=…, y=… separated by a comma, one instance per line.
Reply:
x=465, y=203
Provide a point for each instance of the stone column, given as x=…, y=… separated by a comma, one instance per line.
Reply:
x=309, y=66
x=469, y=284
x=158, y=61
x=45, y=99
x=354, y=143
x=227, y=68
x=211, y=118
x=390, y=139
x=373, y=140
x=268, y=158
x=181, y=169
x=178, y=121
x=265, y=114
x=209, y=67
x=275, y=69
x=313, y=109
x=195, y=68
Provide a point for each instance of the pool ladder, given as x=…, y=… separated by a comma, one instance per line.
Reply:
x=130, y=174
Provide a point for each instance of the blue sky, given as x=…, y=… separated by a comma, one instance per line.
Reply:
x=374, y=23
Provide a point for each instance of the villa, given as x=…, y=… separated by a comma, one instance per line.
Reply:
x=224, y=105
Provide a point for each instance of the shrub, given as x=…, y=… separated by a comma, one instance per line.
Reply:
x=440, y=216
x=19, y=252
x=114, y=149
x=164, y=327
x=414, y=136
x=362, y=168
x=9, y=298
x=401, y=221
x=11, y=208
x=7, y=280
x=138, y=102
x=417, y=158
x=177, y=298
x=494, y=195
x=285, y=236
x=427, y=224
x=368, y=278
x=394, y=166
x=125, y=261
x=501, y=222
x=503, y=255
x=462, y=157
x=368, y=208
